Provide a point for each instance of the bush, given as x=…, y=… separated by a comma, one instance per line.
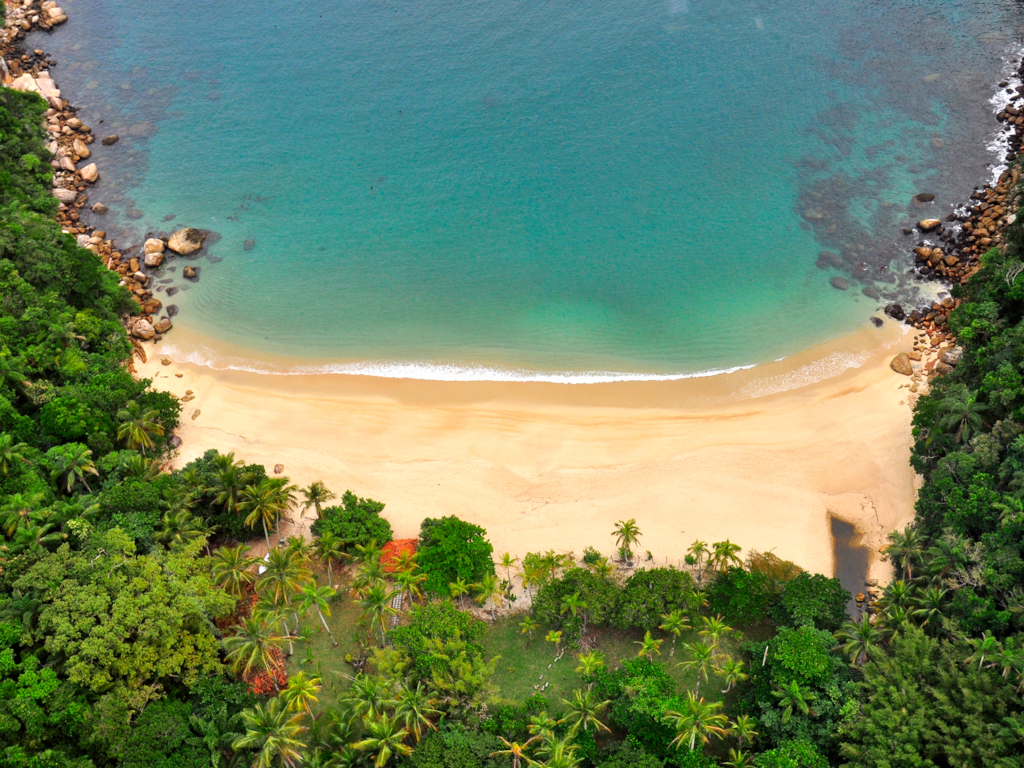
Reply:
x=650, y=594
x=792, y=754
x=511, y=721
x=452, y=549
x=811, y=599
x=356, y=522
x=630, y=755
x=161, y=738
x=457, y=747
x=599, y=595
x=742, y=598
x=641, y=692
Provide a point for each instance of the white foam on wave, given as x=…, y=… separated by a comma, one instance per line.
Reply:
x=826, y=367
x=999, y=143
x=435, y=371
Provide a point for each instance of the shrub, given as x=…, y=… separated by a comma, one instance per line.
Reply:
x=452, y=549
x=641, y=692
x=811, y=599
x=650, y=594
x=742, y=597
x=356, y=522
x=455, y=746
x=599, y=596
x=629, y=754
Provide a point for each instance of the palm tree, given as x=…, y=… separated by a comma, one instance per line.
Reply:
x=369, y=696
x=583, y=712
x=218, y=731
x=590, y=664
x=697, y=720
x=317, y=598
x=859, y=640
x=18, y=511
x=368, y=573
x=232, y=569
x=330, y=548
x=385, y=737
x=369, y=552
x=984, y=646
x=648, y=646
x=930, y=605
x=11, y=453
x=508, y=561
x=702, y=662
x=274, y=733
x=138, y=426
x=555, y=637
x=37, y=538
x=950, y=552
x=712, y=629
x=415, y=709
x=542, y=726
x=899, y=594
x=515, y=750
x=252, y=647
x=141, y=468
x=559, y=754
x=179, y=528
x=266, y=503
x=302, y=690
x=960, y=409
x=72, y=465
x=743, y=729
x=732, y=672
x=792, y=697
x=603, y=569
x=675, y=624
x=697, y=550
x=527, y=627
x=905, y=550
x=489, y=589
x=738, y=759
x=230, y=480
x=724, y=555
x=376, y=605
x=626, y=533
x=575, y=605
x=283, y=577
x=410, y=583
x=459, y=589
x=316, y=495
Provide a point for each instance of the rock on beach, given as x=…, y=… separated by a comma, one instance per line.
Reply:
x=90, y=173
x=901, y=364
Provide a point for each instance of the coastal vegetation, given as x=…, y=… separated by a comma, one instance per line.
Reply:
x=139, y=628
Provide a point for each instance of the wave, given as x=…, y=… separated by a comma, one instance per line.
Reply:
x=827, y=367
x=435, y=371
x=999, y=143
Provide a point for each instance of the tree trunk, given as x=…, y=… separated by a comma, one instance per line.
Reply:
x=266, y=535
x=324, y=622
x=330, y=579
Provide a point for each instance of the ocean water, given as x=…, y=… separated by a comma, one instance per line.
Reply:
x=479, y=188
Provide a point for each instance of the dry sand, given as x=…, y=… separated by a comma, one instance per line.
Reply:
x=545, y=466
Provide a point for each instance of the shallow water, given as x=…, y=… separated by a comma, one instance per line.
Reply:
x=638, y=187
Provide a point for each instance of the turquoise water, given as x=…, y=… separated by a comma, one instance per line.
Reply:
x=611, y=185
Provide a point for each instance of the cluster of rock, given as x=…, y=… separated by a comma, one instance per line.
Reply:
x=23, y=17
x=931, y=356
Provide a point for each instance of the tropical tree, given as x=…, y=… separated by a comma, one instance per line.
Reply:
x=575, y=605
x=301, y=692
x=697, y=720
x=415, y=709
x=648, y=646
x=459, y=589
x=738, y=759
x=701, y=661
x=11, y=453
x=905, y=550
x=542, y=726
x=675, y=624
x=317, y=598
x=698, y=550
x=590, y=664
x=328, y=549
x=138, y=427
x=732, y=672
x=960, y=410
x=316, y=495
x=376, y=608
x=984, y=647
x=859, y=639
x=255, y=646
x=232, y=569
x=515, y=750
x=489, y=589
x=369, y=696
x=792, y=697
x=72, y=464
x=626, y=533
x=712, y=629
x=180, y=528
x=929, y=606
x=603, y=569
x=583, y=712
x=508, y=561
x=744, y=729
x=527, y=627
x=274, y=733
x=724, y=555
x=385, y=737
x=219, y=731
x=410, y=582
x=229, y=482
x=18, y=511
x=266, y=503
x=555, y=637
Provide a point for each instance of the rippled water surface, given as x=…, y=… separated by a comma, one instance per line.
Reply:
x=614, y=185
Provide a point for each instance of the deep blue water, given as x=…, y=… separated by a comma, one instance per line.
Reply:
x=618, y=185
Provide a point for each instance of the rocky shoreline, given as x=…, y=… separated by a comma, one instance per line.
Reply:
x=137, y=266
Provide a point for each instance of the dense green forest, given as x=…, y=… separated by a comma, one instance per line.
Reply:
x=135, y=629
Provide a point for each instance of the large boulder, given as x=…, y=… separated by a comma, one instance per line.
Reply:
x=895, y=311
x=153, y=245
x=81, y=149
x=153, y=258
x=186, y=241
x=143, y=329
x=163, y=325
x=901, y=364
x=65, y=195
x=927, y=225
x=90, y=173
x=951, y=356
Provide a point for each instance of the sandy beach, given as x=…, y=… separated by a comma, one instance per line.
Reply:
x=554, y=466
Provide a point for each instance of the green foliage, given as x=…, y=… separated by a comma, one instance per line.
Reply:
x=161, y=738
x=458, y=747
x=742, y=597
x=629, y=754
x=451, y=549
x=649, y=594
x=641, y=692
x=792, y=754
x=356, y=522
x=811, y=599
x=511, y=721
x=598, y=599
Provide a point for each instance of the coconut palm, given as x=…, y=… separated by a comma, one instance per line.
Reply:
x=180, y=528
x=950, y=552
x=515, y=750
x=369, y=696
x=905, y=550
x=315, y=495
x=329, y=549
x=583, y=712
x=984, y=647
x=385, y=737
x=698, y=550
x=138, y=426
x=648, y=646
x=732, y=672
x=603, y=569
x=1011, y=661
x=301, y=692
x=313, y=597
x=739, y=759
x=626, y=533
x=229, y=482
x=37, y=538
x=575, y=605
x=283, y=577
x=369, y=552
x=744, y=729
x=232, y=569
x=859, y=639
x=712, y=629
x=697, y=720
x=139, y=467
x=367, y=574
x=792, y=697
x=675, y=624
x=527, y=627
x=18, y=511
x=555, y=637
x=701, y=661
x=724, y=555
x=489, y=590
x=415, y=709
x=11, y=453
x=542, y=726
x=899, y=594
x=929, y=606
x=251, y=648
x=960, y=410
x=274, y=733
x=266, y=503
x=590, y=664
x=459, y=589
x=218, y=731
x=72, y=465
x=508, y=561
x=376, y=608
x=410, y=582
x=559, y=754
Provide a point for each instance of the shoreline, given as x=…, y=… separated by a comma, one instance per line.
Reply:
x=545, y=466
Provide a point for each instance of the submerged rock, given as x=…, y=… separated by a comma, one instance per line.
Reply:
x=99, y=208
x=186, y=241
x=190, y=273
x=895, y=311
x=924, y=197
x=249, y=244
x=901, y=364
x=839, y=283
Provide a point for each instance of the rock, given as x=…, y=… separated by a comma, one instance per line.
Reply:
x=278, y=469
x=172, y=310
x=99, y=208
x=163, y=325
x=82, y=241
x=153, y=258
x=941, y=367
x=134, y=213
x=174, y=441
x=190, y=272
x=186, y=241
x=153, y=245
x=950, y=260
x=901, y=364
x=924, y=197
x=165, y=361
x=871, y=292
x=951, y=356
x=895, y=311
x=65, y=195
x=81, y=149
x=143, y=130
x=839, y=283
x=90, y=173
x=74, y=123
x=915, y=356
x=171, y=291
x=249, y=244
x=927, y=225
x=112, y=139
x=195, y=414
x=143, y=329
x=66, y=163
x=877, y=322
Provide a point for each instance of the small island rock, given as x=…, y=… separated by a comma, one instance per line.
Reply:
x=186, y=241
x=189, y=272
